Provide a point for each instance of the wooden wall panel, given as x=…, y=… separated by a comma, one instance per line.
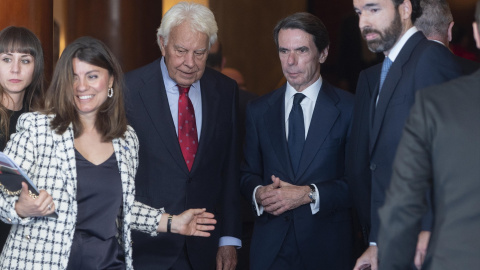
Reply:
x=128, y=27
x=36, y=15
x=246, y=32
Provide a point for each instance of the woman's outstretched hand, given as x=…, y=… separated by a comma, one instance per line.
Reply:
x=192, y=222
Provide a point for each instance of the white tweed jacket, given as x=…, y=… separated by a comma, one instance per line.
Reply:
x=49, y=160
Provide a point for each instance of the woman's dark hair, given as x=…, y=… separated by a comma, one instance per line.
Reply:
x=21, y=40
x=111, y=121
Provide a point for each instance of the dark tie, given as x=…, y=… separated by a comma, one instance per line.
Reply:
x=296, y=131
x=187, y=127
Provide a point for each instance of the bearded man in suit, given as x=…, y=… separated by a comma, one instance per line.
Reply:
x=439, y=150
x=384, y=96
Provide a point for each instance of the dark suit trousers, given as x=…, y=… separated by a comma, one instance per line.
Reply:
x=183, y=262
x=289, y=256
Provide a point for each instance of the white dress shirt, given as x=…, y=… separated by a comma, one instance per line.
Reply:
x=308, y=105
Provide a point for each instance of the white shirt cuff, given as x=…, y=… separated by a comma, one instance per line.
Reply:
x=315, y=206
x=258, y=208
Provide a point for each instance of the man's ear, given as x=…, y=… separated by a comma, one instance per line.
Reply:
x=450, y=27
x=323, y=55
x=162, y=45
x=476, y=34
x=405, y=10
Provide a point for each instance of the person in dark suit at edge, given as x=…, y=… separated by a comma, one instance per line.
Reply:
x=384, y=95
x=439, y=150
x=436, y=23
x=185, y=118
x=217, y=61
x=293, y=170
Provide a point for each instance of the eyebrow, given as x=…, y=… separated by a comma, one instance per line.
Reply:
x=370, y=5
x=294, y=49
x=21, y=54
x=89, y=72
x=181, y=47
x=302, y=48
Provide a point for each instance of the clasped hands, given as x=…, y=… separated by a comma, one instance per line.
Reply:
x=281, y=196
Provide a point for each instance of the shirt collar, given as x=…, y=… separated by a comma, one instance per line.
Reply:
x=310, y=92
x=398, y=47
x=170, y=84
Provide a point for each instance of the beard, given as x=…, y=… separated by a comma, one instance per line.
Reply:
x=387, y=38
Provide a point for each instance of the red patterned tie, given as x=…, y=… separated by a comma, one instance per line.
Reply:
x=187, y=127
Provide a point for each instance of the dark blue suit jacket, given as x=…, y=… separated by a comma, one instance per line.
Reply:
x=324, y=239
x=163, y=179
x=376, y=130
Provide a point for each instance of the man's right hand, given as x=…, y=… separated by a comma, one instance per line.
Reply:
x=260, y=195
x=368, y=259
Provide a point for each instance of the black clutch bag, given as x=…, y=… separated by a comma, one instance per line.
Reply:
x=11, y=182
x=11, y=178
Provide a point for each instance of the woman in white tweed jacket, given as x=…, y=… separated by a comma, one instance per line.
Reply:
x=84, y=116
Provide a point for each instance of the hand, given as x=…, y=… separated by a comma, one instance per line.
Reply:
x=26, y=206
x=226, y=258
x=193, y=222
x=285, y=197
x=369, y=258
x=422, y=244
x=261, y=191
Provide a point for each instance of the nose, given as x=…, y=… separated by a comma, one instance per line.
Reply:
x=292, y=58
x=80, y=84
x=15, y=67
x=189, y=60
x=362, y=21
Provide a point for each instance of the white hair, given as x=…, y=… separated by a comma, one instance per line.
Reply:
x=200, y=17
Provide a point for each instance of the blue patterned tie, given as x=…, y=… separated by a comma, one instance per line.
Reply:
x=296, y=131
x=387, y=63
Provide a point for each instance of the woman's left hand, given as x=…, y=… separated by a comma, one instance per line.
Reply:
x=194, y=222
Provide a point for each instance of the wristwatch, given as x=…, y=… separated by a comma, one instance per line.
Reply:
x=312, y=195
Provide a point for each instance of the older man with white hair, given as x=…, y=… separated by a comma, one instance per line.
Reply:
x=185, y=118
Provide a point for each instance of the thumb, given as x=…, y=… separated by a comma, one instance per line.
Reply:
x=276, y=182
x=24, y=188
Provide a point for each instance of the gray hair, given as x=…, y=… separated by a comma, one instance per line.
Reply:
x=200, y=17
x=436, y=18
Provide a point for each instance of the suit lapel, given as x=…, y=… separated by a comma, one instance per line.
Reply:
x=324, y=116
x=377, y=112
x=154, y=97
x=210, y=103
x=274, y=120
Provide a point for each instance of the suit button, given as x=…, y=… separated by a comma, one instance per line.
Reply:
x=189, y=180
x=9, y=219
x=373, y=166
x=287, y=218
x=27, y=237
